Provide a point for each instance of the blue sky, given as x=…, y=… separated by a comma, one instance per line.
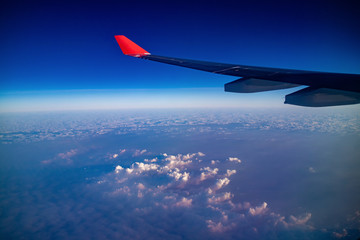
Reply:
x=67, y=46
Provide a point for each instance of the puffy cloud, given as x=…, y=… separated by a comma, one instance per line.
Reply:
x=139, y=152
x=184, y=202
x=178, y=161
x=200, y=154
x=208, y=173
x=230, y=172
x=118, y=168
x=260, y=210
x=216, y=200
x=66, y=156
x=312, y=170
x=129, y=170
x=218, y=227
x=116, y=155
x=166, y=194
x=220, y=183
x=185, y=176
x=177, y=175
x=234, y=159
x=151, y=160
x=141, y=186
x=139, y=167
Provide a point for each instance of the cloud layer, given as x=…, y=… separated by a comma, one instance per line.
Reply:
x=168, y=183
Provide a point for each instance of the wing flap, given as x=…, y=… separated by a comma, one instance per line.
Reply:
x=322, y=97
x=251, y=85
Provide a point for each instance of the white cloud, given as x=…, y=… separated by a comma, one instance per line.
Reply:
x=218, y=227
x=200, y=154
x=184, y=202
x=129, y=170
x=220, y=183
x=260, y=210
x=118, y=168
x=234, y=159
x=221, y=214
x=141, y=186
x=186, y=176
x=151, y=160
x=177, y=175
x=230, y=172
x=312, y=170
x=216, y=200
x=115, y=155
x=178, y=161
x=140, y=167
x=67, y=156
x=139, y=152
x=208, y=173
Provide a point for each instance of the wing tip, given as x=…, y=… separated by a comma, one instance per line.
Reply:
x=130, y=48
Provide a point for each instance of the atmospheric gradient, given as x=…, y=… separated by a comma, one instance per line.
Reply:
x=180, y=174
x=98, y=145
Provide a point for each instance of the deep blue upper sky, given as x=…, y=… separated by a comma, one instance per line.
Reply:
x=70, y=45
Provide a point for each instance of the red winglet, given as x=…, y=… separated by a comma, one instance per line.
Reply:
x=130, y=48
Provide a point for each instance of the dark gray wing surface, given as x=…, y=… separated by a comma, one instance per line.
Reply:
x=325, y=89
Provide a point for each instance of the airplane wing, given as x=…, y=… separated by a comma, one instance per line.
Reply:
x=323, y=88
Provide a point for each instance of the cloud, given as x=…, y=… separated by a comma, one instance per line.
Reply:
x=224, y=197
x=344, y=233
x=230, y=172
x=260, y=210
x=151, y=160
x=218, y=227
x=184, y=202
x=312, y=170
x=139, y=167
x=300, y=220
x=200, y=154
x=141, y=186
x=234, y=159
x=177, y=175
x=68, y=154
x=63, y=158
x=184, y=181
x=116, y=155
x=118, y=168
x=139, y=152
x=208, y=173
x=220, y=183
x=178, y=161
